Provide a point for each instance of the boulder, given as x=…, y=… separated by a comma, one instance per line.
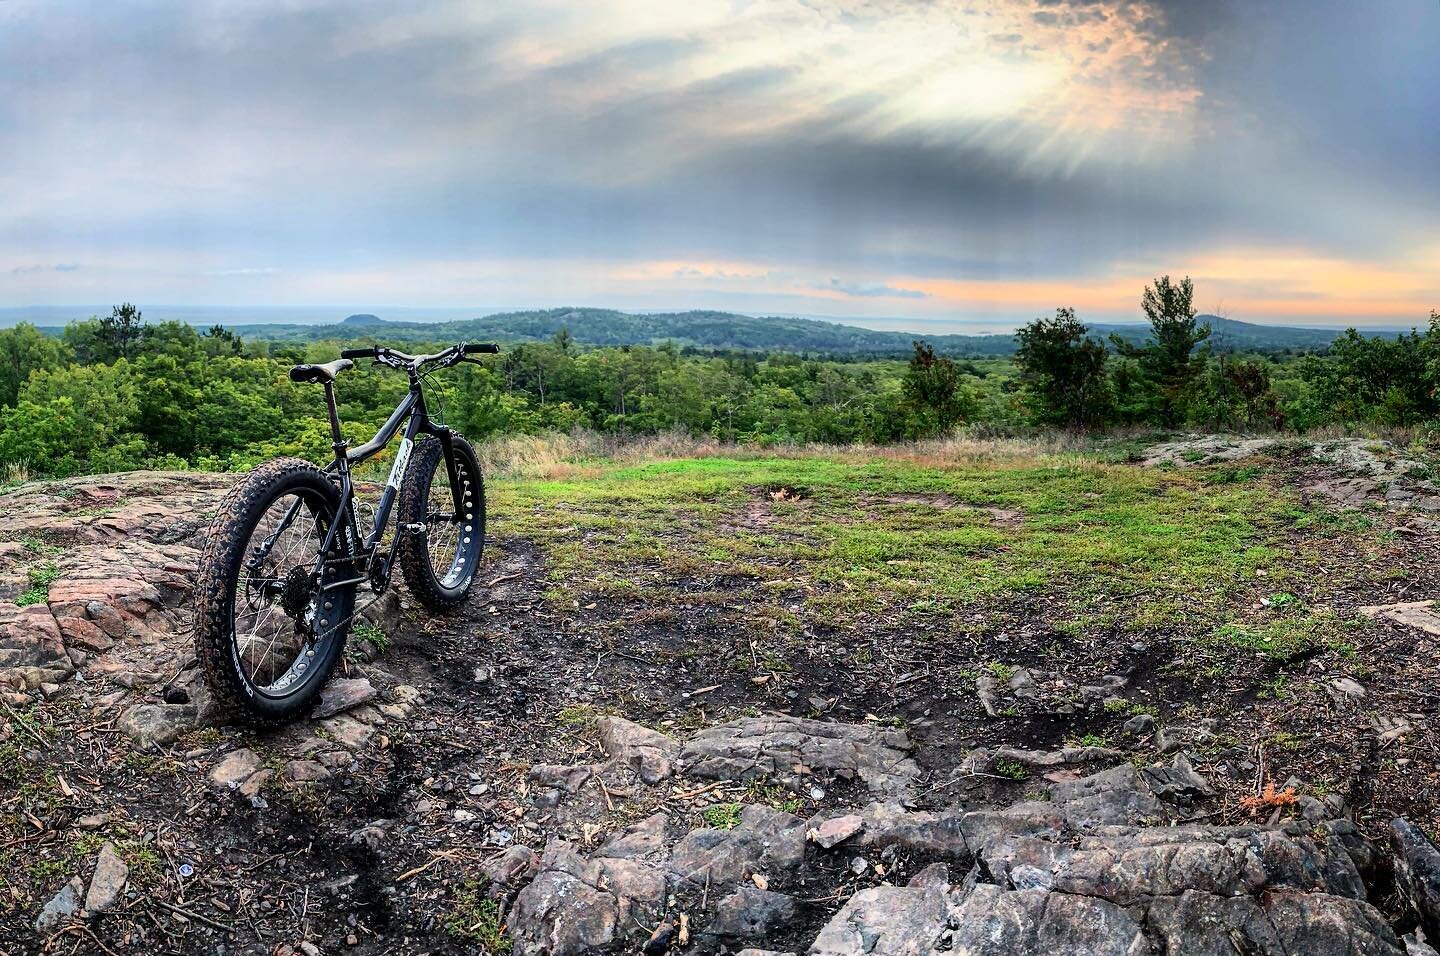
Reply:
x=341, y=695
x=235, y=768
x=751, y=914
x=576, y=905
x=62, y=907
x=1417, y=873
x=562, y=912
x=157, y=724
x=886, y=921
x=1177, y=783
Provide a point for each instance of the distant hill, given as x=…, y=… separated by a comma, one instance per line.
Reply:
x=1232, y=335
x=707, y=331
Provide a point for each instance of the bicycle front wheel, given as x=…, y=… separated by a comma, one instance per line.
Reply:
x=269, y=629
x=442, y=523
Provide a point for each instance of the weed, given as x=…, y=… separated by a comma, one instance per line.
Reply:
x=1013, y=769
x=1001, y=671
x=721, y=816
x=577, y=715
x=476, y=917
x=41, y=577
x=375, y=636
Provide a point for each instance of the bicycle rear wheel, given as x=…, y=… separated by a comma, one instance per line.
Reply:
x=442, y=525
x=269, y=630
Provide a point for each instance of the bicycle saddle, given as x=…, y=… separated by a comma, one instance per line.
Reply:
x=320, y=373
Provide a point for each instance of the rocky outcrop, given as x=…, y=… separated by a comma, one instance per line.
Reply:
x=795, y=752
x=1092, y=865
x=1022, y=690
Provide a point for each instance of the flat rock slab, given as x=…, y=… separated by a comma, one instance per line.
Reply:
x=886, y=920
x=1417, y=614
x=1196, y=450
x=341, y=695
x=1028, y=691
x=793, y=750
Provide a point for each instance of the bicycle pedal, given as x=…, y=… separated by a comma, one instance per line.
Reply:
x=416, y=527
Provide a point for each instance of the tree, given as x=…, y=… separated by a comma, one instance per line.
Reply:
x=1369, y=377
x=563, y=340
x=934, y=390
x=223, y=341
x=121, y=330
x=24, y=349
x=1235, y=393
x=1064, y=370
x=1169, y=362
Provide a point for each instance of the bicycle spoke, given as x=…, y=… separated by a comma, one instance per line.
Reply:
x=269, y=634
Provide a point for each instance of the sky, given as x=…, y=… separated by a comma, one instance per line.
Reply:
x=931, y=162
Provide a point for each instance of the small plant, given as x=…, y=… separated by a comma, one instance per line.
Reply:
x=1001, y=670
x=721, y=816
x=577, y=715
x=775, y=796
x=1012, y=769
x=1270, y=798
x=37, y=545
x=1116, y=705
x=476, y=917
x=372, y=635
x=41, y=577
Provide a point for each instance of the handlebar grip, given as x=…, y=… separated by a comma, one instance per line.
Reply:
x=481, y=347
x=358, y=353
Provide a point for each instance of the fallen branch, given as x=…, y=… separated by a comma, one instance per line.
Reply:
x=214, y=924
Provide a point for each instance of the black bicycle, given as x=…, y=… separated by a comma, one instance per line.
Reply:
x=286, y=557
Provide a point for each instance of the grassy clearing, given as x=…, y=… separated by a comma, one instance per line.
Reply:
x=848, y=535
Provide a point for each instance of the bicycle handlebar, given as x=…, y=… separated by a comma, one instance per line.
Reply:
x=381, y=354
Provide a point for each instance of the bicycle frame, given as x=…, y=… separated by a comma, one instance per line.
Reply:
x=343, y=544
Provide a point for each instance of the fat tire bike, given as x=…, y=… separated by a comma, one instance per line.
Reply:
x=286, y=555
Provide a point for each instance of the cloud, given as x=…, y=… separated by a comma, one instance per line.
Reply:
x=870, y=290
x=36, y=269
x=551, y=147
x=247, y=272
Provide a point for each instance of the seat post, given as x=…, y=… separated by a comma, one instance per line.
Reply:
x=338, y=439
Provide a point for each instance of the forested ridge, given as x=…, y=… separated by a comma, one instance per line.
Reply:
x=728, y=330
x=117, y=392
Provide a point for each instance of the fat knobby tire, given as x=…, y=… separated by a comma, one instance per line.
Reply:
x=427, y=463
x=220, y=566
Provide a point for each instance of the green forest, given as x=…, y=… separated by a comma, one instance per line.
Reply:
x=117, y=393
